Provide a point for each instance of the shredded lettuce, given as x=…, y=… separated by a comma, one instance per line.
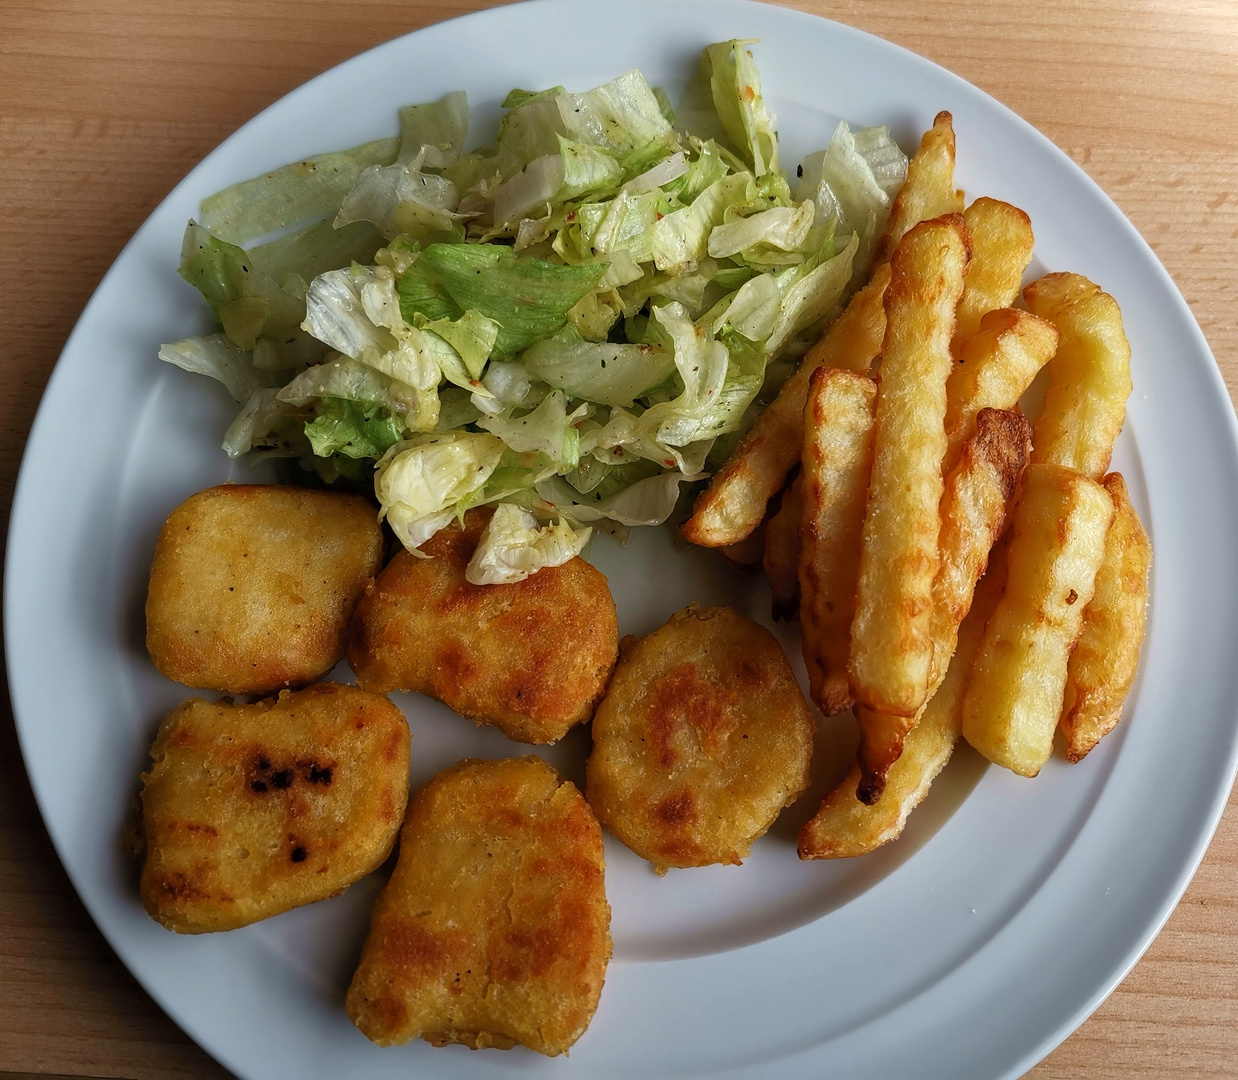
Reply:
x=513, y=546
x=435, y=132
x=297, y=193
x=610, y=373
x=568, y=323
x=352, y=428
x=216, y=356
x=418, y=482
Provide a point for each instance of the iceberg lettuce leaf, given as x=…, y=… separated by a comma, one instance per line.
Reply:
x=513, y=545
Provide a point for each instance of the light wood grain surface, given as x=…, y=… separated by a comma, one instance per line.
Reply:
x=106, y=104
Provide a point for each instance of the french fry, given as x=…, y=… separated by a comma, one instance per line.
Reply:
x=973, y=515
x=845, y=826
x=782, y=552
x=891, y=647
x=837, y=462
x=995, y=368
x=734, y=503
x=1089, y=375
x=746, y=554
x=1102, y=667
x=929, y=191
x=1001, y=239
x=1019, y=677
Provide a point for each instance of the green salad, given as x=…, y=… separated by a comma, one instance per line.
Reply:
x=568, y=324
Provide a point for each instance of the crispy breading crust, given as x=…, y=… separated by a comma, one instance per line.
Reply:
x=250, y=810
x=252, y=586
x=531, y=657
x=702, y=739
x=494, y=928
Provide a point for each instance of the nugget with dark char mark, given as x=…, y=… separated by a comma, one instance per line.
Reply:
x=494, y=928
x=531, y=657
x=249, y=810
x=702, y=739
x=252, y=586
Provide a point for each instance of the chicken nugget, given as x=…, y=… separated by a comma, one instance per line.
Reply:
x=252, y=586
x=531, y=657
x=701, y=740
x=494, y=928
x=250, y=810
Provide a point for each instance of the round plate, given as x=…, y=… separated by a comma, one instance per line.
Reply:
x=970, y=947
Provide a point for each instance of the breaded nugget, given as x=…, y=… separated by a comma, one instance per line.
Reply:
x=252, y=586
x=701, y=740
x=250, y=810
x=531, y=657
x=494, y=928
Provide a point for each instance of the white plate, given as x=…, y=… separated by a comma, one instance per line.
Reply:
x=968, y=949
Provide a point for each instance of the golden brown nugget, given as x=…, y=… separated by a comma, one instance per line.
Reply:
x=252, y=586
x=845, y=826
x=1102, y=667
x=1089, y=375
x=531, y=657
x=781, y=558
x=837, y=463
x=1001, y=238
x=891, y=646
x=494, y=928
x=1018, y=680
x=702, y=739
x=250, y=810
x=735, y=501
x=929, y=191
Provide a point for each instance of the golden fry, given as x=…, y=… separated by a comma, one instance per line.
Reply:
x=1102, y=667
x=891, y=647
x=1019, y=677
x=250, y=810
x=929, y=191
x=837, y=463
x=782, y=552
x=494, y=928
x=702, y=739
x=531, y=657
x=845, y=826
x=1001, y=238
x=252, y=586
x=995, y=368
x=973, y=515
x=733, y=504
x=746, y=554
x=1089, y=375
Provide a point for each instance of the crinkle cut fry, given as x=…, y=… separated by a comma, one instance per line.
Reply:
x=734, y=503
x=974, y=511
x=891, y=648
x=1102, y=667
x=837, y=463
x=929, y=191
x=844, y=826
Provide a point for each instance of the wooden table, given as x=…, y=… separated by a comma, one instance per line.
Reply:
x=104, y=106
